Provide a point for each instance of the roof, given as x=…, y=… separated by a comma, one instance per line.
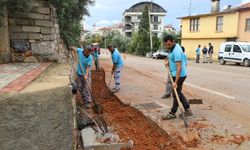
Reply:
x=242, y=7
x=245, y=6
x=138, y=7
x=210, y=14
x=168, y=26
x=104, y=28
x=118, y=25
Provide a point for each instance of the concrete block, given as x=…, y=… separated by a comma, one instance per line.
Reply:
x=47, y=37
x=35, y=4
x=38, y=16
x=35, y=36
x=43, y=10
x=54, y=36
x=43, y=23
x=12, y=21
x=19, y=36
x=30, y=29
x=43, y=48
x=15, y=29
x=89, y=138
x=53, y=30
x=45, y=4
x=30, y=59
x=46, y=30
x=28, y=22
x=34, y=10
x=32, y=41
x=56, y=26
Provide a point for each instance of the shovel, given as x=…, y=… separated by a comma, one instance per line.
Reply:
x=191, y=134
x=194, y=100
x=97, y=107
x=107, y=86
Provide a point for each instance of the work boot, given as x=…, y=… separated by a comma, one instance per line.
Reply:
x=187, y=113
x=88, y=105
x=168, y=116
x=166, y=96
x=115, y=90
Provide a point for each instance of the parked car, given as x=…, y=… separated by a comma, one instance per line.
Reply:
x=237, y=52
x=160, y=54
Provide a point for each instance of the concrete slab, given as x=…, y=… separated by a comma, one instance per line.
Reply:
x=90, y=141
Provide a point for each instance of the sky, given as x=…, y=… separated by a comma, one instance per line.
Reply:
x=108, y=12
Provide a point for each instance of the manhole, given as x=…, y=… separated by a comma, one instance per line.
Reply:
x=148, y=106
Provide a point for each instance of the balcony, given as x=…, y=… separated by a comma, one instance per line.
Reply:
x=128, y=28
x=156, y=22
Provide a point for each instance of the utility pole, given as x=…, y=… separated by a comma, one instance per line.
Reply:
x=190, y=7
x=150, y=32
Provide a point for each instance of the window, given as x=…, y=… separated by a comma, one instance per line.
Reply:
x=246, y=48
x=248, y=24
x=155, y=27
x=194, y=24
x=155, y=18
x=219, y=24
x=228, y=48
x=237, y=49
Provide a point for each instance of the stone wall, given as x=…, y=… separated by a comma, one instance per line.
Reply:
x=35, y=37
x=5, y=55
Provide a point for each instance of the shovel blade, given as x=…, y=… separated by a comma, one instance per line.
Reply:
x=98, y=109
x=195, y=101
x=190, y=135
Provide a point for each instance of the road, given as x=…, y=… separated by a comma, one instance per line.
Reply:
x=224, y=90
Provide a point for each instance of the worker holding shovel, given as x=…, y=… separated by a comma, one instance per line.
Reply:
x=169, y=88
x=84, y=57
x=117, y=67
x=177, y=68
x=96, y=59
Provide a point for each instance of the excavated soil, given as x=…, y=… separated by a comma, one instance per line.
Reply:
x=129, y=123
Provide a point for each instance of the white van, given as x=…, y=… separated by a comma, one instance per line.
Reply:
x=238, y=52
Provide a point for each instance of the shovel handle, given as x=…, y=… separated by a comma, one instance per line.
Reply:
x=178, y=100
x=86, y=80
x=189, y=91
x=110, y=80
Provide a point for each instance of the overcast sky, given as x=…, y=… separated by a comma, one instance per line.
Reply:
x=108, y=12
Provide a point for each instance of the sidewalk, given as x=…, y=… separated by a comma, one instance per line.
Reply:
x=14, y=77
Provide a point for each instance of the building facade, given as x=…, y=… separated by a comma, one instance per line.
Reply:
x=216, y=27
x=131, y=18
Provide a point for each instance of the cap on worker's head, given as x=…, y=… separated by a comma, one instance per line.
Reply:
x=88, y=48
x=168, y=38
x=110, y=46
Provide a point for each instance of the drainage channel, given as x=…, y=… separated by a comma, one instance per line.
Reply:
x=126, y=125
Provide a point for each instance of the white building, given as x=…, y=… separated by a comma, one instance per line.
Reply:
x=117, y=27
x=131, y=18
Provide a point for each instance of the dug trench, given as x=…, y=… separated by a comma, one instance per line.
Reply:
x=129, y=123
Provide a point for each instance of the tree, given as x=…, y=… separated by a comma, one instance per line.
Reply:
x=133, y=42
x=121, y=42
x=16, y=7
x=70, y=13
x=156, y=43
x=144, y=40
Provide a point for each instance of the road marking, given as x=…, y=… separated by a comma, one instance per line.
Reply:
x=211, y=91
x=191, y=85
